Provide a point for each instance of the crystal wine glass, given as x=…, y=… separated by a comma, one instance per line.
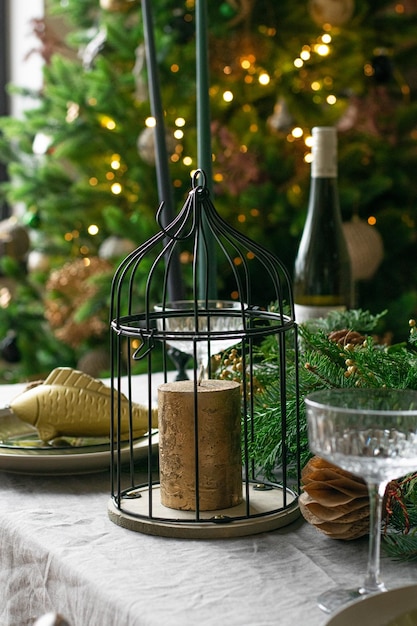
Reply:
x=371, y=433
x=221, y=318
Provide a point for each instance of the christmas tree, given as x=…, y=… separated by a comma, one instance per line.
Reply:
x=82, y=162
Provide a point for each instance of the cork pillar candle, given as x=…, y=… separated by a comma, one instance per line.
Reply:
x=218, y=405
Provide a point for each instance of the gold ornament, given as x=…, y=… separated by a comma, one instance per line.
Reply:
x=67, y=289
x=94, y=362
x=334, y=501
x=334, y=12
x=117, y=5
x=14, y=240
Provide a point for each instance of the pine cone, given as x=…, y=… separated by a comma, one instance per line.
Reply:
x=345, y=337
x=334, y=501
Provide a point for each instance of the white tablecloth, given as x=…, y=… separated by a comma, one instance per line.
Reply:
x=60, y=552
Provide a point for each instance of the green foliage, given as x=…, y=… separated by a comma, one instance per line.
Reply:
x=23, y=320
x=261, y=175
x=337, y=351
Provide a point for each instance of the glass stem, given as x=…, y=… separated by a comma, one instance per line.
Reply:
x=372, y=582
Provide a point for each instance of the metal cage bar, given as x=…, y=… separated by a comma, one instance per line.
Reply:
x=142, y=318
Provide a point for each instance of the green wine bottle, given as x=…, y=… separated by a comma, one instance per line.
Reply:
x=322, y=273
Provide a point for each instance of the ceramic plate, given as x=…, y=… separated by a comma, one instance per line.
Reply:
x=397, y=607
x=22, y=452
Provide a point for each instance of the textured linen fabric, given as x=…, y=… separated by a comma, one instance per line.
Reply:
x=60, y=552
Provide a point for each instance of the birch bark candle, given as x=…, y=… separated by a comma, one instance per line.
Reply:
x=219, y=441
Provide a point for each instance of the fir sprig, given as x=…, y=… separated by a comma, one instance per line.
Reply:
x=338, y=351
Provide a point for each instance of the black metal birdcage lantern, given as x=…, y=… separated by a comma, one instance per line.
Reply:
x=192, y=474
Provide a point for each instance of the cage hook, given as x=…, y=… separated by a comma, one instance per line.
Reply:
x=146, y=345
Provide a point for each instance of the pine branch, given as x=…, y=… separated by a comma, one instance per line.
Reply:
x=333, y=354
x=401, y=547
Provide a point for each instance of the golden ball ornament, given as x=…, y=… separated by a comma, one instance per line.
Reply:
x=14, y=239
x=335, y=502
x=117, y=5
x=365, y=246
x=94, y=362
x=333, y=12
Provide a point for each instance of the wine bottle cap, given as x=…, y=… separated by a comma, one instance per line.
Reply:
x=324, y=152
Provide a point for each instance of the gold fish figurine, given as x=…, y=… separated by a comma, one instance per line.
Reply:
x=73, y=404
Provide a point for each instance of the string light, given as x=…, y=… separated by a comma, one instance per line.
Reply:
x=322, y=49
x=93, y=229
x=115, y=162
x=107, y=122
x=72, y=235
x=116, y=188
x=228, y=96
x=297, y=132
x=264, y=79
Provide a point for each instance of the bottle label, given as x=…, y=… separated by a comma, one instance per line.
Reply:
x=305, y=312
x=324, y=152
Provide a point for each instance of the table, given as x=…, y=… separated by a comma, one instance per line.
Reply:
x=60, y=552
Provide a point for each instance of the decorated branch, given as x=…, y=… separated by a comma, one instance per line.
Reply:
x=342, y=350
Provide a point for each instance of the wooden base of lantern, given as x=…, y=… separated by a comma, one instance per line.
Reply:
x=266, y=514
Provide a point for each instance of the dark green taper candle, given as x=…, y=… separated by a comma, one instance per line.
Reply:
x=207, y=279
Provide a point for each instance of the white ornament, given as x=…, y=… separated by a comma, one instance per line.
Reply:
x=94, y=47
x=141, y=87
x=365, y=246
x=38, y=261
x=334, y=12
x=146, y=144
x=281, y=119
x=115, y=247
